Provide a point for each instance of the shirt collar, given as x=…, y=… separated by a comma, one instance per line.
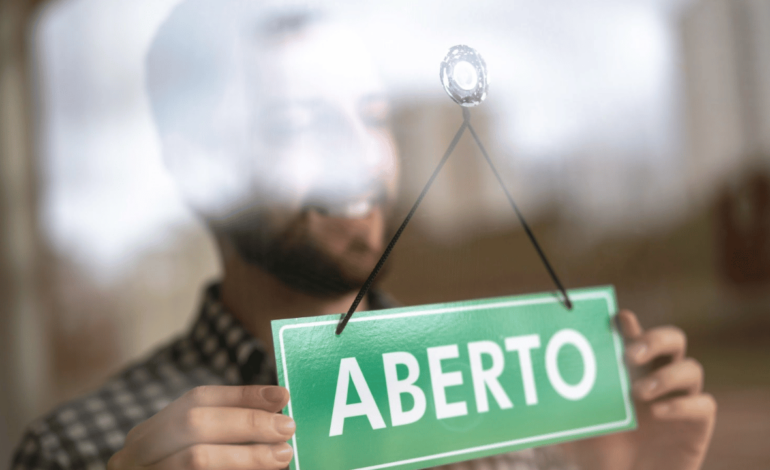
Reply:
x=232, y=352
x=226, y=347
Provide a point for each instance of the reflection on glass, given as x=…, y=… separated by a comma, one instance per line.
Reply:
x=280, y=117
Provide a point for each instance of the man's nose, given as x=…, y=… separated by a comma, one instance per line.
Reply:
x=347, y=137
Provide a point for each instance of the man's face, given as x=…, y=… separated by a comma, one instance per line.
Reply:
x=324, y=163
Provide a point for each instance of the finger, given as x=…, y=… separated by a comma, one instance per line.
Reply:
x=228, y=457
x=693, y=408
x=154, y=432
x=657, y=342
x=681, y=376
x=629, y=324
x=268, y=398
x=216, y=425
x=262, y=397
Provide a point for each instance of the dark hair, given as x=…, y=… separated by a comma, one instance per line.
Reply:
x=194, y=53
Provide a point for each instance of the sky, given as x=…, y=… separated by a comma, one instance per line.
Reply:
x=564, y=75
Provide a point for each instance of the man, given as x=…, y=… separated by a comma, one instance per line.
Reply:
x=274, y=126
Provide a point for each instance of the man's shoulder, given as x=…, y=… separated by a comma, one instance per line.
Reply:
x=85, y=432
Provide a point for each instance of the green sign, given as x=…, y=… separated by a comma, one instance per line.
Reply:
x=418, y=387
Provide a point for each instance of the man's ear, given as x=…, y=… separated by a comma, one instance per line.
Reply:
x=181, y=157
x=209, y=182
x=174, y=146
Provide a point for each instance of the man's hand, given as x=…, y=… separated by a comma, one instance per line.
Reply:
x=213, y=427
x=676, y=418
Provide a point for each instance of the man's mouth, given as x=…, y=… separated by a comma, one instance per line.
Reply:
x=354, y=209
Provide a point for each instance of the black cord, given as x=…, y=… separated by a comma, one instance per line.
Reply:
x=567, y=301
x=370, y=280
x=368, y=284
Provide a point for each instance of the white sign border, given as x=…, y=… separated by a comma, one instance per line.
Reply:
x=611, y=308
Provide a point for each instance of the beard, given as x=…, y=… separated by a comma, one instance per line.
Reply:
x=296, y=258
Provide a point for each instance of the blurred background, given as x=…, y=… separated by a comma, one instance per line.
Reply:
x=634, y=135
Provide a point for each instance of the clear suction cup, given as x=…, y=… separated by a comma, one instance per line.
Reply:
x=464, y=76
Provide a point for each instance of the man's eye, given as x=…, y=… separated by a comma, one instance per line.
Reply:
x=282, y=124
x=375, y=111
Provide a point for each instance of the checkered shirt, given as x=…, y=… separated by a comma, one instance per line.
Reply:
x=85, y=433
